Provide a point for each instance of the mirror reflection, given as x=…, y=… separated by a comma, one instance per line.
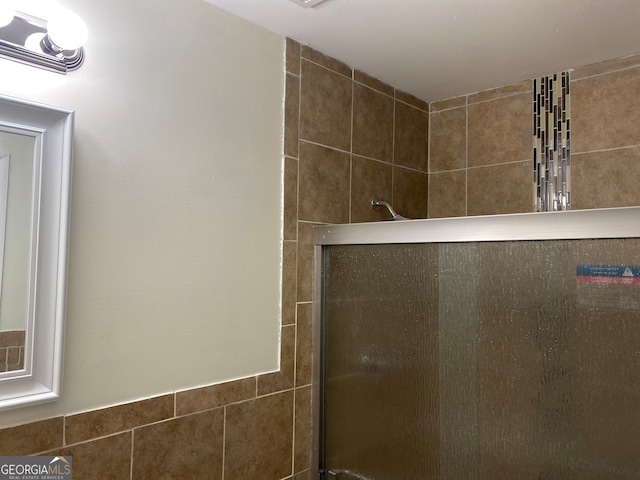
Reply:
x=16, y=220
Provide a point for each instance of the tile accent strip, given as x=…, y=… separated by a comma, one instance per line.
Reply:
x=551, y=143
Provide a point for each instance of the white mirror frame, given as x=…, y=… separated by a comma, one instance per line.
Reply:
x=4, y=193
x=52, y=129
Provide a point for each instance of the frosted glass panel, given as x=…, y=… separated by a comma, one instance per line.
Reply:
x=492, y=360
x=372, y=430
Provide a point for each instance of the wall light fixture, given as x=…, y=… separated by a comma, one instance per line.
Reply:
x=54, y=44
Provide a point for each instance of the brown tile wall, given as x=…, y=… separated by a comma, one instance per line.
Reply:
x=480, y=153
x=227, y=431
x=348, y=138
x=480, y=144
x=605, y=134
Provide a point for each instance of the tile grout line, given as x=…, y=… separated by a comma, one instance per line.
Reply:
x=466, y=156
x=428, y=157
x=132, y=450
x=453, y=170
x=372, y=88
x=512, y=162
x=448, y=109
x=411, y=104
x=295, y=349
x=224, y=437
x=296, y=259
x=324, y=66
x=499, y=97
x=298, y=140
x=603, y=150
x=293, y=436
x=353, y=93
x=477, y=102
x=393, y=149
x=598, y=74
x=311, y=142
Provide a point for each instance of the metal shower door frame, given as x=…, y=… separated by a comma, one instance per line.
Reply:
x=623, y=222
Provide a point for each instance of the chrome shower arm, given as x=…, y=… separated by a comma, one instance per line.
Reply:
x=376, y=204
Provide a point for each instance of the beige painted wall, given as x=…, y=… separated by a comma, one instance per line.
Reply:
x=176, y=217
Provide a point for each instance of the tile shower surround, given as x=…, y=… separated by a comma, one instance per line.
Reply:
x=477, y=161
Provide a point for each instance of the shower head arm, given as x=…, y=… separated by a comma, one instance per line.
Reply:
x=376, y=204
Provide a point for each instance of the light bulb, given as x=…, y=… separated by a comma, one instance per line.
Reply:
x=7, y=12
x=33, y=42
x=67, y=30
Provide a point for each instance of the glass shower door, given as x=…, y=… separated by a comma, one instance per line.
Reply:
x=481, y=360
x=380, y=383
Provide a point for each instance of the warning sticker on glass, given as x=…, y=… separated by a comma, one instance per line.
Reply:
x=608, y=287
x=607, y=274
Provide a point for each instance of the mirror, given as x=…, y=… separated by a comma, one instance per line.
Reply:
x=16, y=193
x=35, y=180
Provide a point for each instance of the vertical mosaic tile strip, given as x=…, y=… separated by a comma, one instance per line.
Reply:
x=551, y=143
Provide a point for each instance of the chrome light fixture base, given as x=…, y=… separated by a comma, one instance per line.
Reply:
x=43, y=53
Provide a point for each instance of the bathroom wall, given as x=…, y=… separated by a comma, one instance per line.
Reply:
x=266, y=418
x=347, y=137
x=479, y=145
x=173, y=210
x=479, y=149
x=175, y=248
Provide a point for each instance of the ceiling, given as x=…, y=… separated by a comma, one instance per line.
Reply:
x=438, y=49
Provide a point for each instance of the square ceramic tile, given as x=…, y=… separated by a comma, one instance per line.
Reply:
x=499, y=131
x=606, y=179
x=605, y=111
x=411, y=137
x=185, y=447
x=32, y=437
x=448, y=137
x=259, y=438
x=448, y=194
x=324, y=179
x=372, y=123
x=325, y=107
x=104, y=459
x=370, y=180
x=506, y=188
x=410, y=189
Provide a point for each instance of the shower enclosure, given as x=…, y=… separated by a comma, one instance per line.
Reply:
x=498, y=347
